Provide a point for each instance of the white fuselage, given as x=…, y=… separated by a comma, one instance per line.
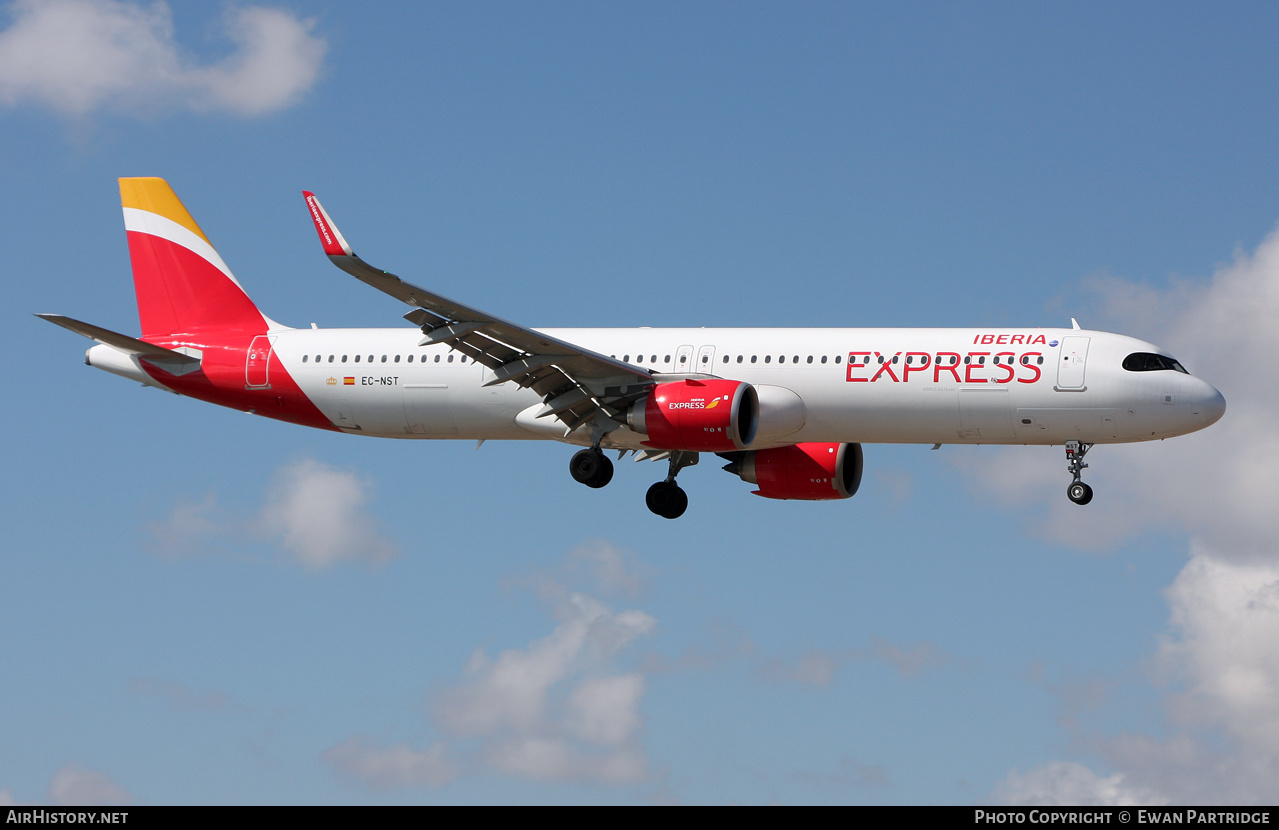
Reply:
x=973, y=386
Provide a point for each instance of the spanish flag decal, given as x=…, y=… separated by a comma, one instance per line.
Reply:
x=348, y=381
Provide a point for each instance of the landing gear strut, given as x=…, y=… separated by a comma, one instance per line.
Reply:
x=591, y=467
x=666, y=498
x=1078, y=492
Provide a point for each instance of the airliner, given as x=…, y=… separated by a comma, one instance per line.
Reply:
x=787, y=409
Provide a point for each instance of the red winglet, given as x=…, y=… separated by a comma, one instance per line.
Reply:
x=330, y=238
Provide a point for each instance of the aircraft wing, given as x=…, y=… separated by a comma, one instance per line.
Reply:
x=577, y=385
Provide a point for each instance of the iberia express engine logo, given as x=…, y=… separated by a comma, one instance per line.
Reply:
x=697, y=403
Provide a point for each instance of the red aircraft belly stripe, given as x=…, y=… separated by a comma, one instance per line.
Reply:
x=221, y=380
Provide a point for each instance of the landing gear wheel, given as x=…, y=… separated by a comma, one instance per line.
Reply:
x=591, y=467
x=667, y=499
x=1079, y=493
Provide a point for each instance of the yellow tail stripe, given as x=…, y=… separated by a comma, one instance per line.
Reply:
x=155, y=196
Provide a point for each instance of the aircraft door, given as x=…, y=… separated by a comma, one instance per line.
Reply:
x=705, y=360
x=684, y=360
x=1071, y=365
x=258, y=363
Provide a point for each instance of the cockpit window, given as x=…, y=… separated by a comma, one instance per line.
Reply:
x=1147, y=362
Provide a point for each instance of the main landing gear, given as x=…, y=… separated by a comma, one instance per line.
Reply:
x=1078, y=492
x=666, y=498
x=591, y=467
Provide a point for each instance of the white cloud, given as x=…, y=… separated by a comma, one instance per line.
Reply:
x=391, y=767
x=316, y=513
x=558, y=709
x=605, y=710
x=614, y=570
x=1225, y=617
x=1063, y=782
x=81, y=56
x=312, y=511
x=74, y=786
x=558, y=759
x=1218, y=484
x=1220, y=660
x=1218, y=656
x=190, y=528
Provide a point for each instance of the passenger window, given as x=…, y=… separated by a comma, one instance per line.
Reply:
x=725, y=358
x=781, y=358
x=768, y=358
x=304, y=358
x=837, y=358
x=397, y=358
x=344, y=358
x=450, y=358
x=357, y=358
x=753, y=358
x=739, y=358
x=810, y=358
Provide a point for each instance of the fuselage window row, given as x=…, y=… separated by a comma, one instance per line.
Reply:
x=1158, y=361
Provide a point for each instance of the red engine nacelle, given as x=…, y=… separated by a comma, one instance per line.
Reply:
x=711, y=415
x=812, y=472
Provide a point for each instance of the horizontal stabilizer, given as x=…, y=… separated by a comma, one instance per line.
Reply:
x=175, y=362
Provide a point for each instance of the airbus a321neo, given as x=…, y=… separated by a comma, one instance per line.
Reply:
x=788, y=409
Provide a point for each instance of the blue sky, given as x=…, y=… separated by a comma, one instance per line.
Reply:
x=431, y=623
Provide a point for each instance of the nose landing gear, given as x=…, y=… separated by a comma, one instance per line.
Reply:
x=1078, y=492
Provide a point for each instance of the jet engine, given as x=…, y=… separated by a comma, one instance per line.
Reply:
x=712, y=415
x=810, y=472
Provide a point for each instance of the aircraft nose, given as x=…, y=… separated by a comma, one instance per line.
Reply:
x=1212, y=405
